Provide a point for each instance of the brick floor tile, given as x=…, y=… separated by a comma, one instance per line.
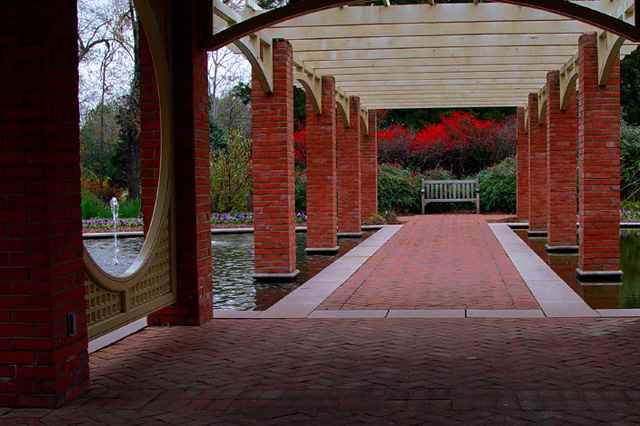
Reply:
x=436, y=262
x=393, y=371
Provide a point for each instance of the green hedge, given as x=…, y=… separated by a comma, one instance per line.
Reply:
x=93, y=208
x=301, y=192
x=629, y=162
x=498, y=187
x=399, y=189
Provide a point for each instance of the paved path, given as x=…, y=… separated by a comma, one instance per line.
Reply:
x=364, y=372
x=436, y=262
x=382, y=371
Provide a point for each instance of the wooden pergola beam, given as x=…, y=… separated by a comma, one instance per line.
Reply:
x=300, y=8
x=488, y=53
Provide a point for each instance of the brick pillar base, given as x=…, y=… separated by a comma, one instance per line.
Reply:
x=191, y=153
x=349, y=220
x=599, y=165
x=43, y=362
x=321, y=172
x=538, y=185
x=562, y=134
x=273, y=186
x=150, y=130
x=369, y=170
x=522, y=195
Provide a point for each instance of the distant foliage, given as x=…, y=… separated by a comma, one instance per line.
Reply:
x=91, y=185
x=300, y=147
x=498, y=187
x=230, y=174
x=93, y=208
x=217, y=134
x=394, y=147
x=629, y=162
x=130, y=209
x=460, y=143
x=630, y=88
x=437, y=174
x=399, y=189
x=464, y=144
x=301, y=191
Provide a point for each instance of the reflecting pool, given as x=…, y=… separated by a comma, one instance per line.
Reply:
x=598, y=296
x=232, y=258
x=234, y=287
x=102, y=251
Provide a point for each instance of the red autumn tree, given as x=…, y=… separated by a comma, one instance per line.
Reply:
x=464, y=144
x=394, y=146
x=300, y=147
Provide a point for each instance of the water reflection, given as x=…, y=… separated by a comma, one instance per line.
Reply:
x=232, y=259
x=101, y=250
x=630, y=265
x=234, y=287
x=605, y=296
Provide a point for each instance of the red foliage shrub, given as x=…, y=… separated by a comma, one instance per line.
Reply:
x=394, y=146
x=460, y=143
x=300, y=148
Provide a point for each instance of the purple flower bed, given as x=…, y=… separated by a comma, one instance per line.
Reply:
x=239, y=218
x=629, y=215
x=108, y=223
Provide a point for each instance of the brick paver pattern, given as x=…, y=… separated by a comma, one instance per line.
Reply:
x=466, y=371
x=363, y=372
x=436, y=262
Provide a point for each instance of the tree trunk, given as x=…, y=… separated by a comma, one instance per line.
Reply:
x=134, y=165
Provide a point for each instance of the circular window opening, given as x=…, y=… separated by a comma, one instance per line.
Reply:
x=111, y=48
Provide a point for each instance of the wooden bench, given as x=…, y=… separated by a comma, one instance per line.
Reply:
x=450, y=191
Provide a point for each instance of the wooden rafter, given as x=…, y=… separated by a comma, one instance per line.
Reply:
x=423, y=55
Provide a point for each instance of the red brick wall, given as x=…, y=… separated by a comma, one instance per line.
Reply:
x=523, y=168
x=321, y=170
x=369, y=170
x=150, y=130
x=41, y=267
x=598, y=161
x=562, y=133
x=349, y=220
x=273, y=186
x=538, y=197
x=191, y=154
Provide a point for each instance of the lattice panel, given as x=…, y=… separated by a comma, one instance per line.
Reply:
x=106, y=309
x=101, y=304
x=157, y=281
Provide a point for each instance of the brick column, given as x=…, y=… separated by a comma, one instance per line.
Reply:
x=43, y=363
x=349, y=220
x=273, y=186
x=150, y=129
x=599, y=165
x=522, y=193
x=191, y=154
x=321, y=172
x=369, y=170
x=562, y=134
x=538, y=185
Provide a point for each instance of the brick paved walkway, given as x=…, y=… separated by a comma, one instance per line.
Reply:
x=364, y=372
x=410, y=371
x=436, y=262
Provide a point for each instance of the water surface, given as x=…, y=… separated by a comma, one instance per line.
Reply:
x=102, y=251
x=234, y=287
x=598, y=296
x=232, y=261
